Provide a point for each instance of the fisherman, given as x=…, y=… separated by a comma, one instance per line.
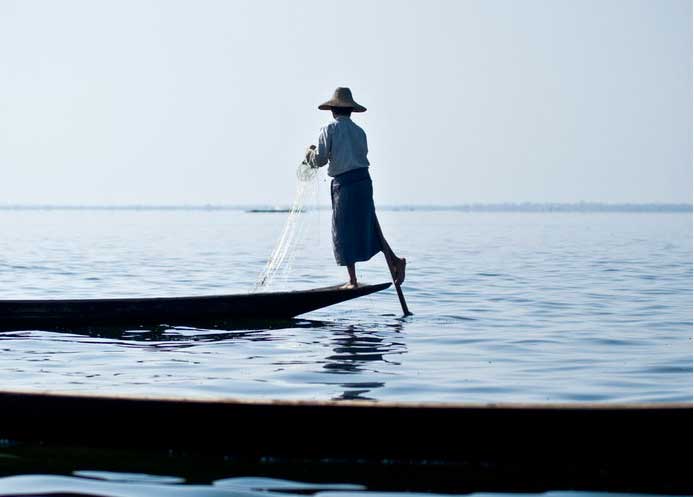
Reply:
x=357, y=235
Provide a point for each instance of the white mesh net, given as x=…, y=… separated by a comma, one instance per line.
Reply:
x=282, y=258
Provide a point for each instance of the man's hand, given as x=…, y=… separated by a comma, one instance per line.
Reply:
x=308, y=152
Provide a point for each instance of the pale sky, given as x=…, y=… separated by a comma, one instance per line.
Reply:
x=214, y=102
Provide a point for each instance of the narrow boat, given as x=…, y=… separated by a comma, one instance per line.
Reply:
x=32, y=314
x=454, y=448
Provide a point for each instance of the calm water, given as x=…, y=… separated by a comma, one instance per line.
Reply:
x=107, y=484
x=537, y=307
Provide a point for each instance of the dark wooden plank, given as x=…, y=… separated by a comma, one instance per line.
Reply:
x=626, y=448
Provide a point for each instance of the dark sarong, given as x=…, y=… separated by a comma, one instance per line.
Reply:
x=355, y=236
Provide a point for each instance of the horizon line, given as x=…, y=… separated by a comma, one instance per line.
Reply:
x=476, y=206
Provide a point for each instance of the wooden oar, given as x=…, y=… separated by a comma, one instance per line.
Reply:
x=401, y=297
x=389, y=255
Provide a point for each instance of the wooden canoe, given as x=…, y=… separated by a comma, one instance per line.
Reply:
x=33, y=314
x=456, y=448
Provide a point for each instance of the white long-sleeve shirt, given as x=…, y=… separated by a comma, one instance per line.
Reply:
x=341, y=145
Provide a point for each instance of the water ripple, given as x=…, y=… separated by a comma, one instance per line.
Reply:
x=508, y=307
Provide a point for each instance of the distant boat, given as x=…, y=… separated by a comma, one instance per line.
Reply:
x=33, y=314
x=272, y=210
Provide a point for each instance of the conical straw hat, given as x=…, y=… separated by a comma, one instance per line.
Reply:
x=342, y=98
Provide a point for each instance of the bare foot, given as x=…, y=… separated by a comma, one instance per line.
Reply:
x=350, y=286
x=399, y=271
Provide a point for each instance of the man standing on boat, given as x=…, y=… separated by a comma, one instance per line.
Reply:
x=357, y=235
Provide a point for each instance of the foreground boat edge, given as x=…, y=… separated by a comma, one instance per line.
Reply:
x=609, y=447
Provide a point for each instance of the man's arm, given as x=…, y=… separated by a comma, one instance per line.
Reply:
x=318, y=157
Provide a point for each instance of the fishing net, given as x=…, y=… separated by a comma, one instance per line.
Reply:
x=282, y=258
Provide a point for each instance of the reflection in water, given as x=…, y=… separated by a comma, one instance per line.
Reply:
x=113, y=484
x=251, y=329
x=210, y=361
x=356, y=350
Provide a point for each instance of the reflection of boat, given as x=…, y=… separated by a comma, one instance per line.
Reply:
x=212, y=331
x=644, y=448
x=32, y=314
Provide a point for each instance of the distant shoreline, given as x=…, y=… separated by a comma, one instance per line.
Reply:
x=499, y=207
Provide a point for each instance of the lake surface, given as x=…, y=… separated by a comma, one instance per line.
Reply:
x=109, y=484
x=509, y=307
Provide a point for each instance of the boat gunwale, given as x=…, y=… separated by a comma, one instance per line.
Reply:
x=270, y=402
x=131, y=300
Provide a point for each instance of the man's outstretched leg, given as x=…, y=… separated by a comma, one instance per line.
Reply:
x=396, y=264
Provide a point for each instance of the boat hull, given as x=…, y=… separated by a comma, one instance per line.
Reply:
x=32, y=314
x=471, y=447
